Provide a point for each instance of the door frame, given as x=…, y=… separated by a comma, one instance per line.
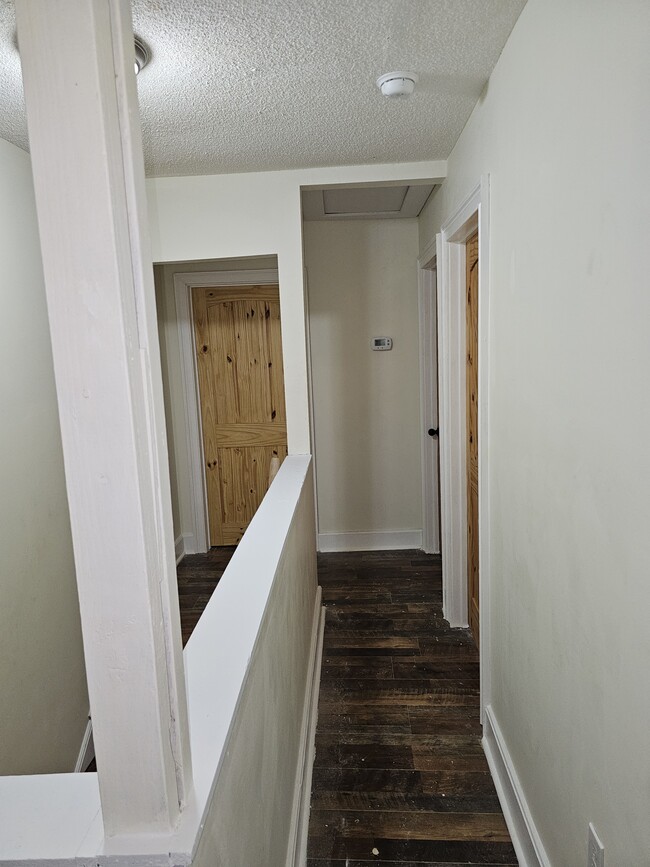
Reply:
x=427, y=304
x=471, y=215
x=184, y=282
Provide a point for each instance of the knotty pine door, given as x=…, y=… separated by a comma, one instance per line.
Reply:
x=241, y=385
x=471, y=258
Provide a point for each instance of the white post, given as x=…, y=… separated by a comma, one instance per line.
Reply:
x=84, y=132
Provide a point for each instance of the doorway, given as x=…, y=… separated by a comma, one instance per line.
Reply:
x=175, y=283
x=464, y=354
x=427, y=295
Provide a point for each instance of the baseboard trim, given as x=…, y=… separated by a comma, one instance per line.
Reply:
x=525, y=838
x=381, y=540
x=180, y=548
x=297, y=849
x=87, y=749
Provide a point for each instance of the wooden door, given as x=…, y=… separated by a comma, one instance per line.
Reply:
x=241, y=384
x=471, y=250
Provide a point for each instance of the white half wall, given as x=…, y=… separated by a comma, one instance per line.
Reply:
x=250, y=671
x=44, y=705
x=259, y=214
x=363, y=283
x=563, y=130
x=250, y=816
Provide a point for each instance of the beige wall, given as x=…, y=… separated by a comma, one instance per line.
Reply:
x=44, y=703
x=362, y=283
x=563, y=129
x=259, y=214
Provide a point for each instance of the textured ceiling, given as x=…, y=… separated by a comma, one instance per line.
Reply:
x=251, y=85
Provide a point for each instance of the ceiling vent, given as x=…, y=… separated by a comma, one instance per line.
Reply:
x=142, y=54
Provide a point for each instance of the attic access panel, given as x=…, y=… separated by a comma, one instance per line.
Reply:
x=368, y=202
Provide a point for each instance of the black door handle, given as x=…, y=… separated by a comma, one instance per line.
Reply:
x=433, y=431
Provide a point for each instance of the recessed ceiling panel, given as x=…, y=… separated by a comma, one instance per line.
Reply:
x=365, y=203
x=364, y=200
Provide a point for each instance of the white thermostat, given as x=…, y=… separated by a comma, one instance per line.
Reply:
x=382, y=343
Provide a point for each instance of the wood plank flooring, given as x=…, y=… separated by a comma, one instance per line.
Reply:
x=198, y=575
x=400, y=777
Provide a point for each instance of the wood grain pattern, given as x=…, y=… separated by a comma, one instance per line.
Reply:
x=241, y=383
x=471, y=260
x=399, y=766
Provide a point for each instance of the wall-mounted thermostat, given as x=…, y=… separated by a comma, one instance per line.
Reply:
x=382, y=343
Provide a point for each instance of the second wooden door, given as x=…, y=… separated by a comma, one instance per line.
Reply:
x=472, y=434
x=241, y=384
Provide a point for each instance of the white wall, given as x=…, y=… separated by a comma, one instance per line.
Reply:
x=362, y=283
x=44, y=704
x=259, y=214
x=563, y=129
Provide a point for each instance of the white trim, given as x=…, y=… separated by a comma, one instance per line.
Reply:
x=379, y=540
x=310, y=389
x=451, y=385
x=473, y=213
x=484, y=513
x=297, y=849
x=184, y=282
x=429, y=446
x=87, y=749
x=525, y=837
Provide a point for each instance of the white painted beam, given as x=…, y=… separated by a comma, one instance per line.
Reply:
x=77, y=58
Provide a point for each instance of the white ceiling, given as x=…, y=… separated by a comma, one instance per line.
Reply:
x=253, y=85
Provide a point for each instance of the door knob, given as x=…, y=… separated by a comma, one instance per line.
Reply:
x=433, y=431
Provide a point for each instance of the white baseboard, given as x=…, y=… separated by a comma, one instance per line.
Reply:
x=185, y=544
x=297, y=849
x=180, y=549
x=87, y=749
x=525, y=838
x=381, y=540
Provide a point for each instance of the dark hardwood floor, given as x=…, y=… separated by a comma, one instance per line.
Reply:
x=400, y=777
x=198, y=575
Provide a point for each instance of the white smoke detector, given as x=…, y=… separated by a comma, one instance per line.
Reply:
x=397, y=83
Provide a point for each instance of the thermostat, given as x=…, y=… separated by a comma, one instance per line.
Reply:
x=382, y=343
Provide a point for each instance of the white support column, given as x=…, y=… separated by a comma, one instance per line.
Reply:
x=84, y=132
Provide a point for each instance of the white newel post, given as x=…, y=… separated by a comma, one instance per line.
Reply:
x=84, y=132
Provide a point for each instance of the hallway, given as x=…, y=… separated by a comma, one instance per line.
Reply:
x=400, y=777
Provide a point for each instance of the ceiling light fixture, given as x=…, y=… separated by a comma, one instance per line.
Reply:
x=142, y=54
x=397, y=83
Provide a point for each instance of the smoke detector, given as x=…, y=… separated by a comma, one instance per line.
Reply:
x=397, y=83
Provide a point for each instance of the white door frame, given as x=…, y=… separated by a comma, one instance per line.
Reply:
x=472, y=214
x=427, y=291
x=183, y=285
